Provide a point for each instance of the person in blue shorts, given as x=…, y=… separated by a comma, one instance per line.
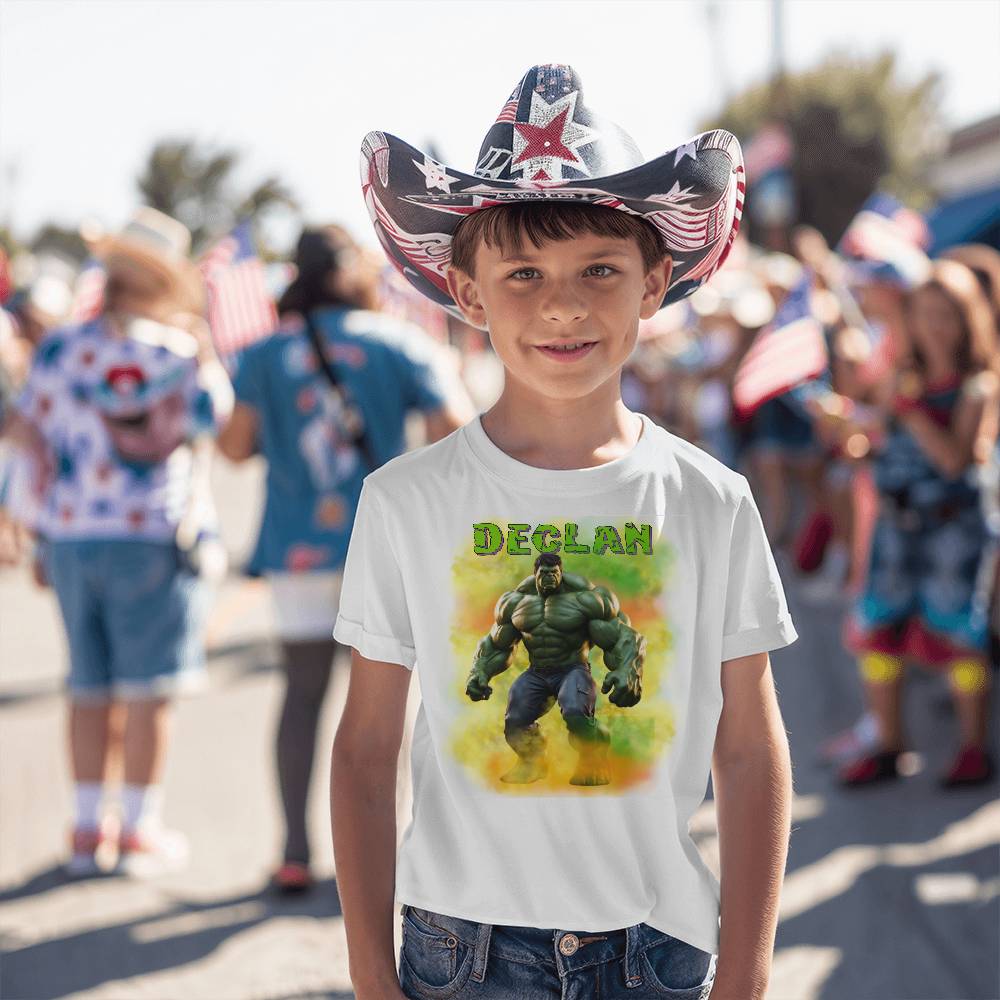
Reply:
x=114, y=409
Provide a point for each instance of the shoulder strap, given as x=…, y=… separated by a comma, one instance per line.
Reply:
x=360, y=435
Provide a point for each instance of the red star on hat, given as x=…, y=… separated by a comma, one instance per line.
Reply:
x=550, y=139
x=545, y=140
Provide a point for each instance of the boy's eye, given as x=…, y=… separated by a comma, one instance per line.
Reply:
x=600, y=270
x=523, y=274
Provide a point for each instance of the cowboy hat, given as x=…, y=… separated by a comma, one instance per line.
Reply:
x=155, y=242
x=547, y=145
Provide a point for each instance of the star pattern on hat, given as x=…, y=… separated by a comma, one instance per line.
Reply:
x=551, y=139
x=435, y=175
x=688, y=149
x=675, y=196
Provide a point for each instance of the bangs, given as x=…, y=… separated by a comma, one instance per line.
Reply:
x=505, y=228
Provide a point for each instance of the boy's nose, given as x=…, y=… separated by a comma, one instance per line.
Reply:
x=563, y=305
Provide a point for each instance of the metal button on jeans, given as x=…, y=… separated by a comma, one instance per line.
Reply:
x=569, y=943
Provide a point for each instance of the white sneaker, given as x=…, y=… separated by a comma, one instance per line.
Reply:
x=151, y=852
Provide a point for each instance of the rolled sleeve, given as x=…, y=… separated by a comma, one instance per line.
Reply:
x=756, y=616
x=374, y=616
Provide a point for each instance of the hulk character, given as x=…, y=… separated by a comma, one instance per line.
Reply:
x=559, y=616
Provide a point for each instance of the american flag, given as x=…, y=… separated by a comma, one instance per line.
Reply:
x=770, y=149
x=886, y=232
x=908, y=223
x=508, y=112
x=790, y=350
x=240, y=308
x=88, y=293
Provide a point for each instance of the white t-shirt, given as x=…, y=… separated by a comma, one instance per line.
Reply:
x=665, y=566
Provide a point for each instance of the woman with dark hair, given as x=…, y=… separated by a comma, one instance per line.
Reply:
x=324, y=399
x=926, y=592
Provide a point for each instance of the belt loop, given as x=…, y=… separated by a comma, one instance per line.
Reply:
x=481, y=952
x=632, y=938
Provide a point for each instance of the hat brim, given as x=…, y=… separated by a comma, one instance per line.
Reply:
x=692, y=195
x=183, y=283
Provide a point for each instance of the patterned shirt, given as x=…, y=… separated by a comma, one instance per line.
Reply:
x=81, y=383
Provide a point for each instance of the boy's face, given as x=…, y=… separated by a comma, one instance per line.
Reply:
x=589, y=290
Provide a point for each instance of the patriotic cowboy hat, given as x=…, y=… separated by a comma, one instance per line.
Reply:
x=547, y=145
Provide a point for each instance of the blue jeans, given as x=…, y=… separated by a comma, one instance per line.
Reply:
x=444, y=957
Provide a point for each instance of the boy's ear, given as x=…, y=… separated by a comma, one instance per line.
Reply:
x=465, y=292
x=657, y=281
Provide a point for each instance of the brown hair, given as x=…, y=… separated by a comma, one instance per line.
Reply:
x=985, y=264
x=978, y=348
x=506, y=226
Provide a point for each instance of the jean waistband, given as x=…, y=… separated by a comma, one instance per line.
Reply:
x=553, y=667
x=568, y=950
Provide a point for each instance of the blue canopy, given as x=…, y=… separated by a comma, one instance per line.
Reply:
x=969, y=218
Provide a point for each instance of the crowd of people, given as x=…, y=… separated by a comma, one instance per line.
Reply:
x=108, y=429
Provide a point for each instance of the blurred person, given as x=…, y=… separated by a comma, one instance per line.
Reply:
x=984, y=261
x=324, y=400
x=31, y=311
x=924, y=597
x=24, y=320
x=113, y=409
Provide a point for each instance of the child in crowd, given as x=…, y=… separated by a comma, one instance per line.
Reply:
x=589, y=599
x=112, y=408
x=931, y=568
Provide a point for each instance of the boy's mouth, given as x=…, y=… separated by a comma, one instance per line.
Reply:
x=569, y=351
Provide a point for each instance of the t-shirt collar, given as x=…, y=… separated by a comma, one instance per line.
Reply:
x=594, y=479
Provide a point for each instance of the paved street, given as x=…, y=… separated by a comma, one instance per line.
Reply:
x=891, y=893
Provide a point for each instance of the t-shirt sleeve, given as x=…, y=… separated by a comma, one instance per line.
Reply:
x=373, y=616
x=248, y=377
x=756, y=616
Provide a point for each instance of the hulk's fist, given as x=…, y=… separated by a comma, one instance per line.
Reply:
x=478, y=689
x=625, y=685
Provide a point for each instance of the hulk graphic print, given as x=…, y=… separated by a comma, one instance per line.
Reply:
x=563, y=649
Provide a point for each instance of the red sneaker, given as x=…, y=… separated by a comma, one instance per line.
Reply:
x=872, y=767
x=89, y=849
x=972, y=765
x=83, y=857
x=292, y=876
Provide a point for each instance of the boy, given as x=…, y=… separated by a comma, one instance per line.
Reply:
x=571, y=707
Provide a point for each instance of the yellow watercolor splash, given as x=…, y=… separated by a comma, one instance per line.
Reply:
x=639, y=734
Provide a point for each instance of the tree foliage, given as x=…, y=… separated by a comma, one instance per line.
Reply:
x=196, y=185
x=60, y=240
x=855, y=125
